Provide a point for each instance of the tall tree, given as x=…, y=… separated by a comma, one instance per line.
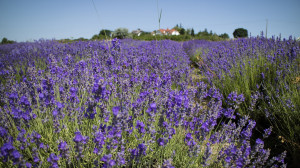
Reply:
x=192, y=32
x=188, y=31
x=4, y=40
x=182, y=31
x=205, y=32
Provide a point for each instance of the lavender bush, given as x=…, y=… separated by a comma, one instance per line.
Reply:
x=266, y=72
x=119, y=104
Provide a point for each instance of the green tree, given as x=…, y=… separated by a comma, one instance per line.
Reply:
x=177, y=28
x=193, y=32
x=121, y=33
x=6, y=41
x=240, y=32
x=105, y=32
x=224, y=36
x=188, y=31
x=182, y=31
x=95, y=37
x=205, y=32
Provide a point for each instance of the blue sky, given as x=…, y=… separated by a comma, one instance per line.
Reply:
x=28, y=20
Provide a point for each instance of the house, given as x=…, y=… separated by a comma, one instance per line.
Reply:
x=137, y=32
x=156, y=32
x=173, y=32
x=165, y=32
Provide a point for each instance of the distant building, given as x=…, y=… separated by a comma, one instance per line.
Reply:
x=137, y=32
x=174, y=32
x=171, y=32
x=156, y=32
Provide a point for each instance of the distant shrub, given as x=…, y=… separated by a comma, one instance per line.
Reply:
x=105, y=32
x=240, y=32
x=120, y=33
x=6, y=41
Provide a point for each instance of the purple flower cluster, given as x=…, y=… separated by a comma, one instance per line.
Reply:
x=80, y=141
x=108, y=162
x=64, y=151
x=9, y=152
x=53, y=160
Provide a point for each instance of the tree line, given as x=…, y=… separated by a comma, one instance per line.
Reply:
x=184, y=35
x=6, y=41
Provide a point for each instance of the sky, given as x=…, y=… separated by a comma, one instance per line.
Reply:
x=29, y=20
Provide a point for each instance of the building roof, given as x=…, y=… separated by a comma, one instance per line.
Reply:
x=167, y=31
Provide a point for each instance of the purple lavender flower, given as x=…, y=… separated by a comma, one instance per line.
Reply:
x=80, y=141
x=140, y=126
x=188, y=137
x=53, y=160
x=55, y=113
x=162, y=141
x=112, y=163
x=108, y=162
x=189, y=140
x=152, y=108
x=262, y=75
x=205, y=127
x=229, y=113
x=142, y=148
x=17, y=158
x=22, y=139
x=73, y=94
x=90, y=111
x=35, y=155
x=120, y=159
x=247, y=132
x=28, y=165
x=13, y=98
x=259, y=151
x=267, y=132
x=59, y=105
x=138, y=152
x=116, y=110
x=24, y=101
x=64, y=151
x=99, y=141
x=106, y=158
x=36, y=138
x=3, y=132
x=167, y=163
x=207, y=154
x=233, y=98
x=78, y=137
x=8, y=152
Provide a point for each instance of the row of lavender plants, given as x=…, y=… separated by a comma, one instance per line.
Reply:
x=119, y=104
x=267, y=73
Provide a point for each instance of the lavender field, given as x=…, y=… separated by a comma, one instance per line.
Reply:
x=127, y=103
